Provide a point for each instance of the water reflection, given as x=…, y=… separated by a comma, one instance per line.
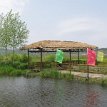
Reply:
x=38, y=92
x=92, y=99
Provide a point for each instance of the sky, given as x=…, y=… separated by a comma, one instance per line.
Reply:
x=71, y=20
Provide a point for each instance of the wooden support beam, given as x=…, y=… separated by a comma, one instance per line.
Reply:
x=28, y=58
x=96, y=55
x=70, y=60
x=78, y=56
x=41, y=59
x=70, y=55
x=87, y=72
x=33, y=51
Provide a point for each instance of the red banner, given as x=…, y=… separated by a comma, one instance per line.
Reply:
x=91, y=57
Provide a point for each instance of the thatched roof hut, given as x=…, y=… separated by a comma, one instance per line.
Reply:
x=54, y=44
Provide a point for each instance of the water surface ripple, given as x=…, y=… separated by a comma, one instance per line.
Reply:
x=38, y=92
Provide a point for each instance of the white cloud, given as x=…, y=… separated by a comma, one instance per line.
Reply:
x=15, y=5
x=81, y=24
x=90, y=30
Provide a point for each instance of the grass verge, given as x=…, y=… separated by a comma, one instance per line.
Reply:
x=100, y=81
x=7, y=70
x=55, y=74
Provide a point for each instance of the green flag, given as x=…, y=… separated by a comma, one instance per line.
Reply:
x=59, y=56
x=100, y=56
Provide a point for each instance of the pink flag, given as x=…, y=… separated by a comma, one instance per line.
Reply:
x=91, y=57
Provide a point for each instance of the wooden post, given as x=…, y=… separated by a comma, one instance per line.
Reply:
x=78, y=57
x=41, y=65
x=70, y=60
x=96, y=55
x=28, y=58
x=70, y=55
x=87, y=72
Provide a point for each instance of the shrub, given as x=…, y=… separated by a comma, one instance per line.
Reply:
x=55, y=74
x=50, y=74
x=67, y=76
x=104, y=82
x=24, y=58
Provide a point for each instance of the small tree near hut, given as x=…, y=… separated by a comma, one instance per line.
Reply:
x=4, y=32
x=14, y=31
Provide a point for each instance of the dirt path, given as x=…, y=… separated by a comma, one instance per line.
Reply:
x=81, y=74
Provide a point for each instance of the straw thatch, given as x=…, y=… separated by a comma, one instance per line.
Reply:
x=54, y=44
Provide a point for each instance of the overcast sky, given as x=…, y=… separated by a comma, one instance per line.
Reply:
x=75, y=20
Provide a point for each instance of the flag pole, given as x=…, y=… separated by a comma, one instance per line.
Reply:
x=87, y=72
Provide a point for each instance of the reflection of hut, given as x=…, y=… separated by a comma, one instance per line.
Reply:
x=53, y=45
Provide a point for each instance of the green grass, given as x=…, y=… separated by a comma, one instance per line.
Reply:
x=55, y=74
x=8, y=70
x=104, y=63
x=34, y=59
x=19, y=67
x=100, y=81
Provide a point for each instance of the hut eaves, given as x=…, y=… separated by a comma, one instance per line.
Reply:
x=54, y=44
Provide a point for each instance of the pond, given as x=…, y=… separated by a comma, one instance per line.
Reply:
x=38, y=92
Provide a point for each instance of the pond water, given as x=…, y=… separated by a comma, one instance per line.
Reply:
x=38, y=92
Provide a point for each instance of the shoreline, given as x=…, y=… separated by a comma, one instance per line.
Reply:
x=60, y=74
x=70, y=77
x=84, y=75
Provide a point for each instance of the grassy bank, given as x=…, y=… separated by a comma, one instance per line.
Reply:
x=100, y=81
x=68, y=76
x=55, y=74
x=8, y=70
x=51, y=73
x=18, y=67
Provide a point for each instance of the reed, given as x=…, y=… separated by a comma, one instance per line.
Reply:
x=56, y=74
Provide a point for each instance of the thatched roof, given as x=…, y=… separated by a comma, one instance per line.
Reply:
x=54, y=44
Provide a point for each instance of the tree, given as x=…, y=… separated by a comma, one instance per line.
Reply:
x=1, y=23
x=18, y=30
x=4, y=32
x=14, y=31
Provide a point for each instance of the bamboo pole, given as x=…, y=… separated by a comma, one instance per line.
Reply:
x=78, y=56
x=87, y=72
x=41, y=65
x=70, y=60
x=28, y=58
